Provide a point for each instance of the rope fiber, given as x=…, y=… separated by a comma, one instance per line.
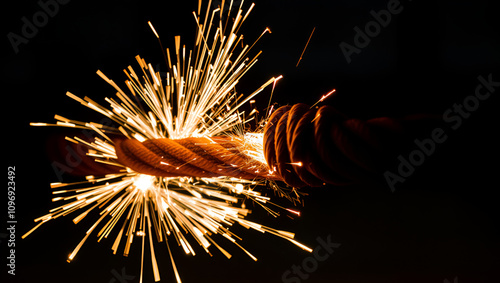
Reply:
x=190, y=157
x=302, y=147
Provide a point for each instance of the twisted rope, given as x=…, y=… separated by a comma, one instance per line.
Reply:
x=191, y=157
x=302, y=147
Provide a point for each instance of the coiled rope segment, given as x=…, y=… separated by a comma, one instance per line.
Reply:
x=302, y=147
x=311, y=147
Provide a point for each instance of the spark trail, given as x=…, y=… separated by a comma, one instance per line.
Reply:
x=196, y=99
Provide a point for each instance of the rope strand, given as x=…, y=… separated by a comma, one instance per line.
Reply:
x=302, y=147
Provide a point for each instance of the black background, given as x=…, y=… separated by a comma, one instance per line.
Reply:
x=441, y=224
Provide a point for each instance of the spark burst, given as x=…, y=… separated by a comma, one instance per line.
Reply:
x=197, y=98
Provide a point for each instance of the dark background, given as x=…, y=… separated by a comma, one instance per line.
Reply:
x=441, y=224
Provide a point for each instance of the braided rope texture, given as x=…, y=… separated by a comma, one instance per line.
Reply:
x=191, y=157
x=302, y=147
x=311, y=147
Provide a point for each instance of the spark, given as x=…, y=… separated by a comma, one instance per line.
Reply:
x=152, y=28
x=196, y=99
x=305, y=47
x=323, y=97
x=294, y=211
x=326, y=95
x=272, y=91
x=315, y=117
x=270, y=111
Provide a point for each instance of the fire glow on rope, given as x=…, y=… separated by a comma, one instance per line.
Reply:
x=197, y=98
